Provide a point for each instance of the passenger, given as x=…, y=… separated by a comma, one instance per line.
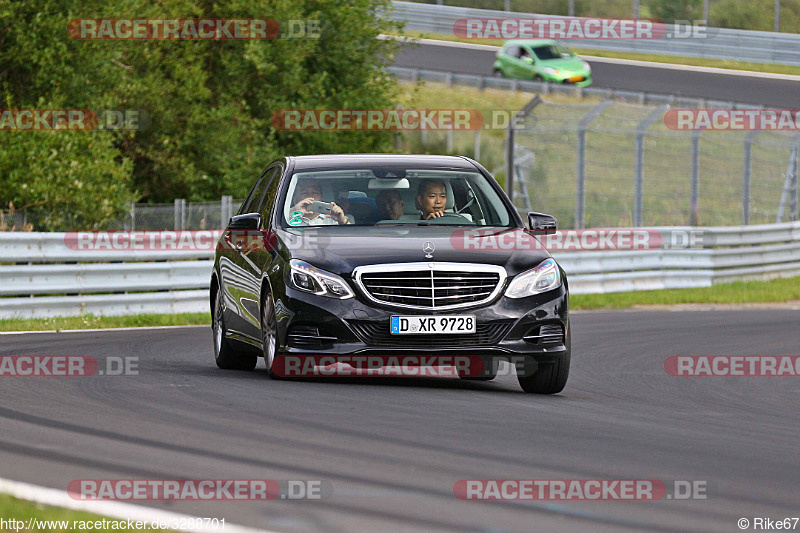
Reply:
x=308, y=191
x=390, y=205
x=432, y=196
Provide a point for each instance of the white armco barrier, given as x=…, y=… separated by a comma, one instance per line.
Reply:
x=67, y=274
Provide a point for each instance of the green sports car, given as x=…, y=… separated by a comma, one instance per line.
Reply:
x=542, y=60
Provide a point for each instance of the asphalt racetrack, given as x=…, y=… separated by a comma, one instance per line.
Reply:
x=772, y=92
x=392, y=449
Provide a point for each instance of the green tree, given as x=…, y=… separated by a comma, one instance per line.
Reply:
x=209, y=102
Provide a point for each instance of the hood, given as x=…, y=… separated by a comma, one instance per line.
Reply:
x=339, y=249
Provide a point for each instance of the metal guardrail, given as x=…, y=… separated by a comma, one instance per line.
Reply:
x=491, y=82
x=57, y=280
x=47, y=274
x=719, y=43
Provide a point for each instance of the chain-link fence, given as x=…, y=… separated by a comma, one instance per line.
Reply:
x=612, y=164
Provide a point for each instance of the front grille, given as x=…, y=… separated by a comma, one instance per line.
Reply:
x=431, y=285
x=377, y=334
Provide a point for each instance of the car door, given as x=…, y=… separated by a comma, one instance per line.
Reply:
x=511, y=55
x=241, y=309
x=254, y=255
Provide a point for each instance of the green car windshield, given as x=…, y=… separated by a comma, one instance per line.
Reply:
x=368, y=197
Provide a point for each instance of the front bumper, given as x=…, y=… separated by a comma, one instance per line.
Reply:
x=310, y=324
x=579, y=80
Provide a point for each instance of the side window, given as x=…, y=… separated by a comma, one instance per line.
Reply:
x=513, y=51
x=268, y=201
x=254, y=198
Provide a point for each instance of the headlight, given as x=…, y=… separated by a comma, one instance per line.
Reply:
x=544, y=277
x=588, y=66
x=305, y=277
x=553, y=71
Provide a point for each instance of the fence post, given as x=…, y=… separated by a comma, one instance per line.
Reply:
x=789, y=192
x=695, y=186
x=133, y=216
x=180, y=213
x=449, y=138
x=510, y=161
x=747, y=175
x=477, y=153
x=510, y=143
x=638, y=190
x=793, y=203
x=227, y=208
x=580, y=186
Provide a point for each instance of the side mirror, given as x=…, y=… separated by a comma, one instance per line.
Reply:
x=541, y=224
x=245, y=221
x=528, y=60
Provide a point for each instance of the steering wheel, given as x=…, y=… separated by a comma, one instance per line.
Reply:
x=444, y=216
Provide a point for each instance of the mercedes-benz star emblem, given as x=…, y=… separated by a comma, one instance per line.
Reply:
x=428, y=248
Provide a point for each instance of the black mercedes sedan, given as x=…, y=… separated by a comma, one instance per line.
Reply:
x=347, y=257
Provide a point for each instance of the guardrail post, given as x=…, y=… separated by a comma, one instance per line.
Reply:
x=638, y=189
x=477, y=152
x=695, y=186
x=746, y=175
x=580, y=185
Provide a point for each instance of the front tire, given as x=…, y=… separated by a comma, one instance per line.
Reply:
x=226, y=357
x=497, y=73
x=547, y=379
x=269, y=332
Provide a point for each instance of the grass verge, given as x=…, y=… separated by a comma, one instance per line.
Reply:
x=98, y=322
x=44, y=518
x=637, y=56
x=737, y=292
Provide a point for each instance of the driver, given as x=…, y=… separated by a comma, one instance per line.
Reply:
x=390, y=205
x=432, y=196
x=307, y=191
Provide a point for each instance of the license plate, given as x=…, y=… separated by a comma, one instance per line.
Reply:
x=426, y=325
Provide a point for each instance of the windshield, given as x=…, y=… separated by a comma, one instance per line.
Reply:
x=366, y=197
x=552, y=51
